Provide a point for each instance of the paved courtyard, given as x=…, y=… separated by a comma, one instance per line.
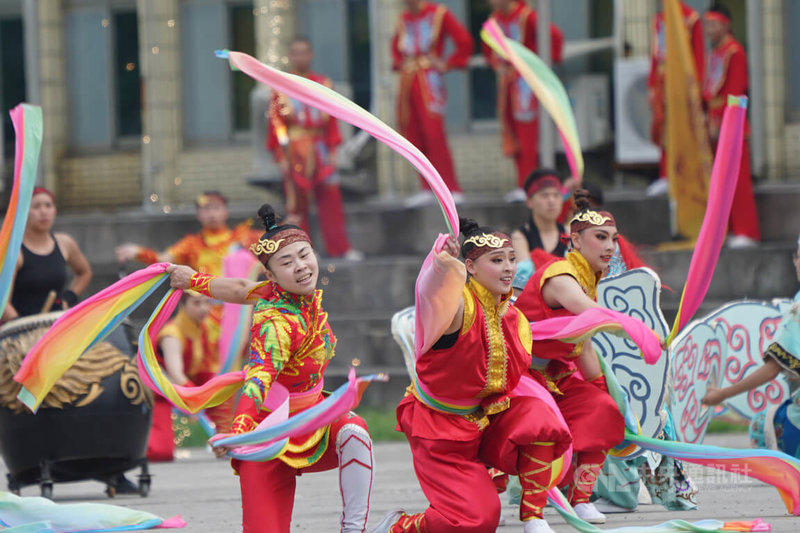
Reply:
x=206, y=494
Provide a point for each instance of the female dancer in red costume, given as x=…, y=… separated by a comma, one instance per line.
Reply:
x=475, y=365
x=291, y=344
x=566, y=287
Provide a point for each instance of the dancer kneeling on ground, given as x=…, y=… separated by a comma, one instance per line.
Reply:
x=475, y=365
x=291, y=344
x=566, y=287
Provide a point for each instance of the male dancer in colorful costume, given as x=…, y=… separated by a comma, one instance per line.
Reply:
x=185, y=353
x=657, y=81
x=727, y=75
x=291, y=344
x=517, y=106
x=566, y=287
x=304, y=141
x=460, y=415
x=418, y=54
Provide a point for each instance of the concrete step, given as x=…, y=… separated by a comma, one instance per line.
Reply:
x=385, y=227
x=381, y=285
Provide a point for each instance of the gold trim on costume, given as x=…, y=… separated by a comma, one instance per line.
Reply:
x=486, y=239
x=266, y=246
x=592, y=217
x=496, y=345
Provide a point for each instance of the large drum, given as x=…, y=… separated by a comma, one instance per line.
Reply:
x=93, y=424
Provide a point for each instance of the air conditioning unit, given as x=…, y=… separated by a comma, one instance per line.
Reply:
x=588, y=95
x=632, y=113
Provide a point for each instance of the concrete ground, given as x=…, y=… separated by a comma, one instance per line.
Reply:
x=206, y=494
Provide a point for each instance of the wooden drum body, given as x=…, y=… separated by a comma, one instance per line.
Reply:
x=93, y=424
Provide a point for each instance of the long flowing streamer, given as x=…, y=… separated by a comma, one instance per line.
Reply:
x=559, y=501
x=545, y=85
x=334, y=104
x=775, y=468
x=189, y=399
x=86, y=324
x=27, y=121
x=269, y=438
x=715, y=223
x=592, y=321
x=79, y=329
x=236, y=319
x=42, y=515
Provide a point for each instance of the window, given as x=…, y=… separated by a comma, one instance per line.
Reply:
x=216, y=101
x=126, y=71
x=482, y=80
x=358, y=50
x=12, y=76
x=103, y=78
x=792, y=60
x=244, y=40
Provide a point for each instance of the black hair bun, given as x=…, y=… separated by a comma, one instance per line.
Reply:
x=582, y=199
x=468, y=226
x=267, y=216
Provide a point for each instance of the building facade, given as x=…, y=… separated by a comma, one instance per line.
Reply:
x=139, y=112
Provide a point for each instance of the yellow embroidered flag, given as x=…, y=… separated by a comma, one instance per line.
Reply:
x=688, y=149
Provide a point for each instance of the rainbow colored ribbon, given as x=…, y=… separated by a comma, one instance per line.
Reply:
x=336, y=105
x=236, y=319
x=190, y=399
x=87, y=323
x=270, y=437
x=79, y=329
x=775, y=468
x=580, y=327
x=557, y=499
x=715, y=222
x=545, y=85
x=40, y=515
x=27, y=121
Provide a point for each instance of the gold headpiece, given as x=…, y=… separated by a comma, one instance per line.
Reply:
x=592, y=217
x=484, y=243
x=486, y=239
x=266, y=246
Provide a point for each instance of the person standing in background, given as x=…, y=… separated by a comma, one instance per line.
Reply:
x=727, y=75
x=656, y=82
x=517, y=106
x=418, y=55
x=303, y=141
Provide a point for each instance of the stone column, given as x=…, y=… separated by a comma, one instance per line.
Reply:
x=395, y=175
x=44, y=28
x=773, y=69
x=275, y=27
x=162, y=135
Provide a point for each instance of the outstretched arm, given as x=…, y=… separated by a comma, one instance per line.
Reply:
x=564, y=291
x=231, y=290
x=765, y=374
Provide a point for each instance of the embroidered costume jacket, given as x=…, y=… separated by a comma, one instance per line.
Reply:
x=291, y=344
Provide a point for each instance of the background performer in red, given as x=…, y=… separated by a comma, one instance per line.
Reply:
x=517, y=106
x=727, y=74
x=304, y=142
x=567, y=287
x=656, y=82
x=418, y=54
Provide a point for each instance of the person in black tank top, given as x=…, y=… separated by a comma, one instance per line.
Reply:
x=43, y=263
x=541, y=238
